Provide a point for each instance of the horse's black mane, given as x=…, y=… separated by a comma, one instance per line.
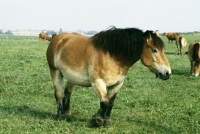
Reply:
x=126, y=42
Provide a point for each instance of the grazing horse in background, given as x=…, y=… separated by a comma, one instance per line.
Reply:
x=48, y=38
x=181, y=42
x=194, y=57
x=42, y=36
x=102, y=61
x=157, y=32
x=171, y=36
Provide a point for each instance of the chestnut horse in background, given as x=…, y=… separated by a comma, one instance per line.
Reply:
x=42, y=36
x=194, y=57
x=102, y=61
x=171, y=36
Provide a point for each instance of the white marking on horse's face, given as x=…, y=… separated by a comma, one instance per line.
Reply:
x=164, y=70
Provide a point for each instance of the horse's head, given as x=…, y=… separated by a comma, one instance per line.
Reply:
x=153, y=56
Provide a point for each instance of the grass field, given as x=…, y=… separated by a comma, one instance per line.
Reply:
x=144, y=104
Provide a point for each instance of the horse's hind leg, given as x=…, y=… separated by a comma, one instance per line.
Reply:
x=57, y=78
x=66, y=98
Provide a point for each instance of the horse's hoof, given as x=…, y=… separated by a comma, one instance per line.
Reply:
x=61, y=117
x=107, y=123
x=97, y=121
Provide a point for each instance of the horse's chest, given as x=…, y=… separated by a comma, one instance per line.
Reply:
x=112, y=80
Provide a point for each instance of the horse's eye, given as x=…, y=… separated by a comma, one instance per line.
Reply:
x=153, y=50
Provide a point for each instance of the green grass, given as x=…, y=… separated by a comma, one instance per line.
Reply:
x=144, y=104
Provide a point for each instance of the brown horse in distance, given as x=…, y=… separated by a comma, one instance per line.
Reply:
x=50, y=38
x=171, y=36
x=42, y=36
x=102, y=61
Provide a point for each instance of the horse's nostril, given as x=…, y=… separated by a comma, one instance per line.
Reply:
x=167, y=74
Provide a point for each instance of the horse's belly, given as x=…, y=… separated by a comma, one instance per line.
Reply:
x=77, y=78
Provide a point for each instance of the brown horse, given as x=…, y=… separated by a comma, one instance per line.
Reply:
x=181, y=42
x=194, y=57
x=48, y=38
x=42, y=36
x=102, y=61
x=171, y=36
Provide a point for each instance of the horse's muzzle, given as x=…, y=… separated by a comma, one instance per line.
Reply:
x=163, y=76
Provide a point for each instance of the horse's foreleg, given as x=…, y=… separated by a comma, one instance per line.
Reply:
x=112, y=92
x=102, y=117
x=108, y=110
x=100, y=89
x=57, y=83
x=66, y=98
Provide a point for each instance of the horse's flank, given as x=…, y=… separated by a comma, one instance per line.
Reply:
x=80, y=58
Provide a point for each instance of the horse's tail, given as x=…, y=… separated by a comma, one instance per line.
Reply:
x=195, y=54
x=180, y=42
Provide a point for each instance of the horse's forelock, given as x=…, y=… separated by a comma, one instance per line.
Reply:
x=157, y=42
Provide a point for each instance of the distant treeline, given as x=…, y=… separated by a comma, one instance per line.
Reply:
x=193, y=33
x=5, y=32
x=92, y=32
x=51, y=32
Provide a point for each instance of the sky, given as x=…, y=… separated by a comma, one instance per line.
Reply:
x=98, y=15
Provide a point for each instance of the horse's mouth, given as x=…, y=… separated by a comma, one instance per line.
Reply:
x=163, y=77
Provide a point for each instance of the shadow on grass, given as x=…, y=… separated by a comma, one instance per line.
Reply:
x=35, y=113
x=26, y=111
x=180, y=72
x=170, y=53
x=156, y=127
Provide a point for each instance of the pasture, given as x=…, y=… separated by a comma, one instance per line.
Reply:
x=144, y=104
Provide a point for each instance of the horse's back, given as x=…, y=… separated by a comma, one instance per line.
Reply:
x=66, y=45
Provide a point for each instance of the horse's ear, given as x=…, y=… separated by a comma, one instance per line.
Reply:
x=147, y=35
